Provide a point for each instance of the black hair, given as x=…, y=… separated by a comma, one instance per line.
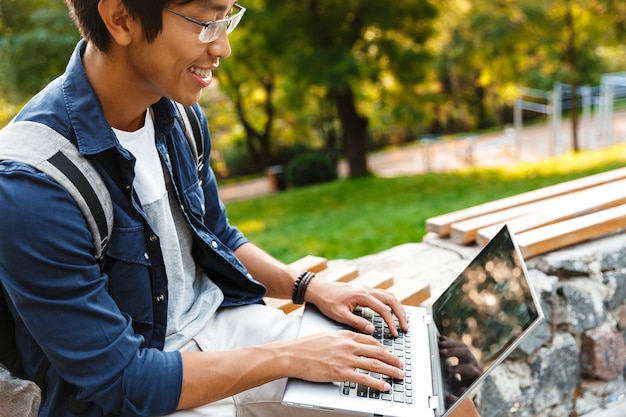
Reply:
x=87, y=18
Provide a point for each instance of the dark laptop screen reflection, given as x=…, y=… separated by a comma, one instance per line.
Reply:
x=481, y=314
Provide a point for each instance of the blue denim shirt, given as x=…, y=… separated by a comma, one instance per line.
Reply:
x=103, y=330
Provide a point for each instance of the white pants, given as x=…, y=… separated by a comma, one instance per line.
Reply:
x=238, y=327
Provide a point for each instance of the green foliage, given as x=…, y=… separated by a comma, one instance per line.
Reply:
x=7, y=111
x=413, y=66
x=289, y=43
x=486, y=50
x=311, y=168
x=353, y=218
x=237, y=160
x=36, y=40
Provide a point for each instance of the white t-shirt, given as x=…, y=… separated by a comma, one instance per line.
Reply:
x=149, y=182
x=192, y=297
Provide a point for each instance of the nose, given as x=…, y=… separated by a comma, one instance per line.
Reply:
x=220, y=47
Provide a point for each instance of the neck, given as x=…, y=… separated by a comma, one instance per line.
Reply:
x=122, y=102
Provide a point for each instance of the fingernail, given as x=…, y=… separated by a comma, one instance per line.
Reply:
x=369, y=328
x=387, y=387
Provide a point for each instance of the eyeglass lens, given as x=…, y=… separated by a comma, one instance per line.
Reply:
x=213, y=30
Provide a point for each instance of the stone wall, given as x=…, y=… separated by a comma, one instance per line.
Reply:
x=574, y=362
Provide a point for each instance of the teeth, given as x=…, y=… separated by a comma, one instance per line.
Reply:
x=202, y=73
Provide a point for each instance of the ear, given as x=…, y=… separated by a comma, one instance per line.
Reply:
x=117, y=20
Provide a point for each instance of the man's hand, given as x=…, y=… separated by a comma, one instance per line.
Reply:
x=324, y=357
x=465, y=368
x=338, y=300
x=335, y=299
x=335, y=356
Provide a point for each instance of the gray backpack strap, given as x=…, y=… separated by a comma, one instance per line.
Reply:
x=193, y=133
x=51, y=153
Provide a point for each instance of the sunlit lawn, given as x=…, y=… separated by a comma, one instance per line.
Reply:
x=352, y=218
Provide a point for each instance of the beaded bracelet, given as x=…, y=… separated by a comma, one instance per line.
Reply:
x=299, y=288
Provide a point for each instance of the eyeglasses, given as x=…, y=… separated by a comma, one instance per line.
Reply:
x=211, y=31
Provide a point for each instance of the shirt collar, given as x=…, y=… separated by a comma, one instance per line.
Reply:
x=93, y=132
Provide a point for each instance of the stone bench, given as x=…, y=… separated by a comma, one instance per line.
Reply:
x=573, y=364
x=572, y=236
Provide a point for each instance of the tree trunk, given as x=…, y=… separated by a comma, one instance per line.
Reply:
x=354, y=132
x=571, y=60
x=258, y=142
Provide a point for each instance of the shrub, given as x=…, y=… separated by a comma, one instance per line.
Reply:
x=311, y=168
x=238, y=161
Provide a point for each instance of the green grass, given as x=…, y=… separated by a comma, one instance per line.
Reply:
x=352, y=218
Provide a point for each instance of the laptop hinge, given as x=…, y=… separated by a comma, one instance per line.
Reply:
x=428, y=319
x=433, y=402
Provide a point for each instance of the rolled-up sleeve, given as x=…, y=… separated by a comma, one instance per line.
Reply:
x=62, y=306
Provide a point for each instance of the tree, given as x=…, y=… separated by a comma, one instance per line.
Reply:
x=584, y=24
x=337, y=46
x=346, y=44
x=486, y=50
x=36, y=39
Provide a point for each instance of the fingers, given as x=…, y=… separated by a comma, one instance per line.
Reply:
x=338, y=301
x=449, y=348
x=361, y=321
x=374, y=357
x=467, y=372
x=387, y=305
x=374, y=353
x=342, y=357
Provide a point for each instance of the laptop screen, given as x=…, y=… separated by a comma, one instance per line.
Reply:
x=482, y=314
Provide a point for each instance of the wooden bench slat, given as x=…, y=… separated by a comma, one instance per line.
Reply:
x=441, y=225
x=465, y=231
x=411, y=292
x=572, y=205
x=310, y=263
x=286, y=305
x=375, y=279
x=340, y=273
x=569, y=232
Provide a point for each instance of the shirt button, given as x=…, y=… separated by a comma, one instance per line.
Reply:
x=153, y=238
x=160, y=298
x=214, y=244
x=146, y=256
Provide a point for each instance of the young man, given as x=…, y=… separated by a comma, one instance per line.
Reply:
x=173, y=320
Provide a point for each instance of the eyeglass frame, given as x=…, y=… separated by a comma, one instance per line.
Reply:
x=228, y=23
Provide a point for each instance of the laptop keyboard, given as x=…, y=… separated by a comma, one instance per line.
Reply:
x=401, y=390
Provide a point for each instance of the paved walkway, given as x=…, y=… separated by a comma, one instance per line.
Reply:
x=491, y=149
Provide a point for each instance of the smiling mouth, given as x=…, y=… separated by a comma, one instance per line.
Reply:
x=200, y=72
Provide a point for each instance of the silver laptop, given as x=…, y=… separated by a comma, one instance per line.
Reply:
x=450, y=347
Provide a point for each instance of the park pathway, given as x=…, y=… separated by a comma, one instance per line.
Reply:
x=491, y=149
